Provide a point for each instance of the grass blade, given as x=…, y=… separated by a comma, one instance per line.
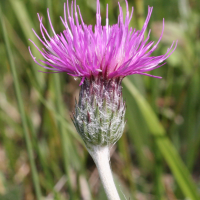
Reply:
x=26, y=26
x=165, y=146
x=62, y=130
x=21, y=110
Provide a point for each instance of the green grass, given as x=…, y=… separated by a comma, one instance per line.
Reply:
x=42, y=155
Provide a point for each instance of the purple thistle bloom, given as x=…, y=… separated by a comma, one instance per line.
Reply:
x=109, y=51
x=101, y=58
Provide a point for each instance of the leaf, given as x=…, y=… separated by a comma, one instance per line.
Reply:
x=165, y=146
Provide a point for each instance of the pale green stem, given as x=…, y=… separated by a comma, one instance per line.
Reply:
x=101, y=157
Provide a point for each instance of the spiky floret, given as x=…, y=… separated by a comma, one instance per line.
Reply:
x=99, y=114
x=112, y=51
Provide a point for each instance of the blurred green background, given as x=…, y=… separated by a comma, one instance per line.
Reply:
x=158, y=156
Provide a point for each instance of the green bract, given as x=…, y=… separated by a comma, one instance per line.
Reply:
x=99, y=114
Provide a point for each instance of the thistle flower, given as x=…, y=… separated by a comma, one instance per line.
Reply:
x=101, y=58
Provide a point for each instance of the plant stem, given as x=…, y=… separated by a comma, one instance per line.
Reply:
x=101, y=158
x=21, y=110
x=139, y=7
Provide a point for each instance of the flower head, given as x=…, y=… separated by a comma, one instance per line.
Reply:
x=108, y=51
x=101, y=58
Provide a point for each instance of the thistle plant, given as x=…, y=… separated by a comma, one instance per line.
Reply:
x=101, y=59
